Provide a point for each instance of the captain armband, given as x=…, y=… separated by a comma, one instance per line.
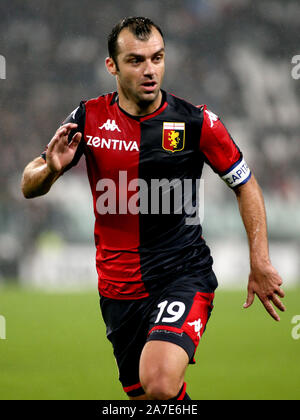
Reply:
x=237, y=175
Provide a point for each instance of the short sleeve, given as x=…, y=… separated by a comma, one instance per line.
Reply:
x=78, y=117
x=220, y=151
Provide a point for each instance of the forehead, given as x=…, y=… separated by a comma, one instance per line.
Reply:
x=129, y=44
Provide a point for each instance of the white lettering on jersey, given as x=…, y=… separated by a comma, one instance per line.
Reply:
x=110, y=125
x=197, y=326
x=113, y=144
x=212, y=117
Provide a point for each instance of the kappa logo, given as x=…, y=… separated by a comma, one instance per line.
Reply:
x=74, y=113
x=212, y=117
x=197, y=326
x=110, y=125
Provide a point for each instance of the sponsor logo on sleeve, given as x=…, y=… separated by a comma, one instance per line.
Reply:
x=212, y=117
x=74, y=113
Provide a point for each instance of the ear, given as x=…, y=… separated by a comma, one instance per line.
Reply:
x=111, y=66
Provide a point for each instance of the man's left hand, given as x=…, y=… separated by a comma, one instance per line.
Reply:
x=265, y=282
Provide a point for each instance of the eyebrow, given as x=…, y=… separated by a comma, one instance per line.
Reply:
x=129, y=55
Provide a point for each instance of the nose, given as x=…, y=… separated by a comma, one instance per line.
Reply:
x=149, y=68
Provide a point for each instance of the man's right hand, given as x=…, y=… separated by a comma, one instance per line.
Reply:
x=59, y=152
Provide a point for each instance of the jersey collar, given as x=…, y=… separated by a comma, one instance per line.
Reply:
x=159, y=110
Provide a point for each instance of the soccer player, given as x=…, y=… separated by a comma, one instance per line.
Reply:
x=155, y=276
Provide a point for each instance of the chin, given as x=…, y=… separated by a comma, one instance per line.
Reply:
x=149, y=97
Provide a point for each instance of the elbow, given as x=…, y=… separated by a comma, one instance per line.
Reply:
x=26, y=193
x=34, y=182
x=29, y=192
x=25, y=188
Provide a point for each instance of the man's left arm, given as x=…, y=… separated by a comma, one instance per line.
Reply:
x=226, y=159
x=264, y=280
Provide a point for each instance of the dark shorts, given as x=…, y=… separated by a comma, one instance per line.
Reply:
x=178, y=314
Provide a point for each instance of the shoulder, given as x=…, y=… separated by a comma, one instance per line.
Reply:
x=102, y=100
x=184, y=107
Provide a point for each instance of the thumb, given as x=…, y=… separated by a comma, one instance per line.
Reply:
x=250, y=299
x=75, y=140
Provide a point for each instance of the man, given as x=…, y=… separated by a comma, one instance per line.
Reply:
x=156, y=282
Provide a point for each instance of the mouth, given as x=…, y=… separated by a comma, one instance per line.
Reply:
x=149, y=86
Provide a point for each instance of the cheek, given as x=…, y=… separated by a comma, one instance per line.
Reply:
x=162, y=72
x=130, y=79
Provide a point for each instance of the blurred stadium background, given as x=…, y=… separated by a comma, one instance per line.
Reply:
x=233, y=55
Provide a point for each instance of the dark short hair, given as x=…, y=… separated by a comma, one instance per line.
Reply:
x=141, y=27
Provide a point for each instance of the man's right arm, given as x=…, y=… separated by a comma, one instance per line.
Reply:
x=39, y=175
x=37, y=178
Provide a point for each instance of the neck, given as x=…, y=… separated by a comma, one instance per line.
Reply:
x=141, y=108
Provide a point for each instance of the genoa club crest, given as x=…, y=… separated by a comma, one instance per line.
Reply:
x=173, y=136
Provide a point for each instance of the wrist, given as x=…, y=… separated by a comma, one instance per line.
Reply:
x=259, y=261
x=51, y=171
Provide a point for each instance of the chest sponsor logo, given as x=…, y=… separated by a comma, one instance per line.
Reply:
x=173, y=136
x=110, y=125
x=113, y=144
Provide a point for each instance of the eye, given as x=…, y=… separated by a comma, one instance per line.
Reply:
x=158, y=58
x=135, y=60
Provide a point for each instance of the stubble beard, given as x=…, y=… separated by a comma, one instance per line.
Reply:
x=142, y=100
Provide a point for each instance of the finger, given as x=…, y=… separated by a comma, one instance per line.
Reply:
x=64, y=130
x=52, y=143
x=69, y=127
x=277, y=302
x=279, y=280
x=60, y=132
x=270, y=309
x=250, y=299
x=75, y=140
x=280, y=292
x=59, y=137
